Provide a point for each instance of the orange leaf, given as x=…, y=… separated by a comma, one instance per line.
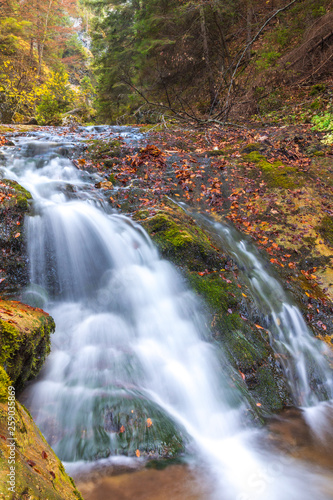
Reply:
x=260, y=327
x=122, y=429
x=149, y=422
x=138, y=453
x=17, y=235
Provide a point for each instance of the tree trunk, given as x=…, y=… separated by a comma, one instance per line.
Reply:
x=249, y=17
x=210, y=76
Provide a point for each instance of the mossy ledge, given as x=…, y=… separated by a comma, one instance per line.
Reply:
x=15, y=202
x=24, y=340
x=275, y=174
x=229, y=307
x=180, y=240
x=24, y=343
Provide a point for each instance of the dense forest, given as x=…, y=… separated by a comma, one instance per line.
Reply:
x=138, y=61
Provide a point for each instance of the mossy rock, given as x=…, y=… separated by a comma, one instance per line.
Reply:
x=98, y=148
x=180, y=240
x=24, y=340
x=246, y=347
x=15, y=202
x=228, y=304
x=19, y=195
x=38, y=473
x=275, y=174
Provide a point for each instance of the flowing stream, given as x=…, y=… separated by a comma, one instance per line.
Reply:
x=132, y=366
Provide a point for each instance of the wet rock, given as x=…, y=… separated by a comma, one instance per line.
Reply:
x=24, y=340
x=36, y=472
x=228, y=305
x=14, y=204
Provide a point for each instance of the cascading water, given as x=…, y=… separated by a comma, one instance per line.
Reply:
x=129, y=348
x=301, y=354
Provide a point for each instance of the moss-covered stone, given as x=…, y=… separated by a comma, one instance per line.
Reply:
x=247, y=347
x=228, y=303
x=98, y=148
x=180, y=240
x=14, y=204
x=38, y=473
x=21, y=195
x=275, y=174
x=24, y=344
x=24, y=340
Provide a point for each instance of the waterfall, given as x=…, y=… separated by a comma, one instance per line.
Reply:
x=131, y=362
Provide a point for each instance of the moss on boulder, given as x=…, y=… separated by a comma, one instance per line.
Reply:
x=14, y=204
x=24, y=340
x=39, y=474
x=180, y=239
x=24, y=344
x=228, y=304
x=275, y=174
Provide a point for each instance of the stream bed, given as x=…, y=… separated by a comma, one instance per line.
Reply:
x=133, y=375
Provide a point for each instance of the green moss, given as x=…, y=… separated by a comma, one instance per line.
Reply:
x=98, y=148
x=326, y=229
x=24, y=342
x=22, y=196
x=215, y=291
x=4, y=383
x=275, y=174
x=245, y=349
x=268, y=391
x=180, y=240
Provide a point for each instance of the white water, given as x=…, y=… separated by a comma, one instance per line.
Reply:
x=302, y=356
x=129, y=337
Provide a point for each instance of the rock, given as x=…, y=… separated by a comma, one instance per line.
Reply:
x=36, y=472
x=32, y=121
x=24, y=340
x=14, y=204
x=230, y=309
x=181, y=240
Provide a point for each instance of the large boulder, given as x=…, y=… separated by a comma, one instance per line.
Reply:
x=29, y=469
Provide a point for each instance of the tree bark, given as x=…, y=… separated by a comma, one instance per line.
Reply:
x=210, y=76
